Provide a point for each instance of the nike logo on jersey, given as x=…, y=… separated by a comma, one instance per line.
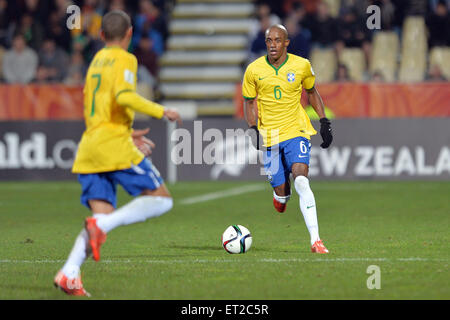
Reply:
x=302, y=156
x=308, y=207
x=261, y=78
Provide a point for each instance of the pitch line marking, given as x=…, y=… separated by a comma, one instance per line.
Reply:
x=263, y=260
x=223, y=194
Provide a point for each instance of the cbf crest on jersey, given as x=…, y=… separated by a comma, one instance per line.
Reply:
x=291, y=77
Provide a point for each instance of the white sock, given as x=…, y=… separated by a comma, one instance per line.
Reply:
x=308, y=206
x=138, y=210
x=79, y=253
x=281, y=199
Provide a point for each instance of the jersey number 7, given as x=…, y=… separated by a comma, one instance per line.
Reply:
x=99, y=80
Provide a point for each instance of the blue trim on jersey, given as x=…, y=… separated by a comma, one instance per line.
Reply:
x=103, y=186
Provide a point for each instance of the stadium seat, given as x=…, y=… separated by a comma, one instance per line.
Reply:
x=414, y=50
x=384, y=55
x=441, y=56
x=355, y=61
x=334, y=6
x=324, y=64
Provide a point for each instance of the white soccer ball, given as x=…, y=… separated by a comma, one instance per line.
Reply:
x=236, y=239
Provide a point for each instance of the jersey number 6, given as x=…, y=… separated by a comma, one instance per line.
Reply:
x=277, y=92
x=303, y=147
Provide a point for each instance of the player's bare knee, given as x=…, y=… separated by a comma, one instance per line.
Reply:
x=161, y=191
x=299, y=169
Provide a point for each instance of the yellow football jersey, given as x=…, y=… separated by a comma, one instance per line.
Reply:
x=278, y=91
x=106, y=144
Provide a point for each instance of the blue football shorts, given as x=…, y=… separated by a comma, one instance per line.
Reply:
x=103, y=186
x=278, y=159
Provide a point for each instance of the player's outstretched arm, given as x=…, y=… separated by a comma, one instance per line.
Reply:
x=325, y=125
x=133, y=100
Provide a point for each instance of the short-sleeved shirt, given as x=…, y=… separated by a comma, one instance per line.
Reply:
x=106, y=144
x=278, y=91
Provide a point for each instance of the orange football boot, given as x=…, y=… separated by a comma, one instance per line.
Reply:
x=318, y=247
x=96, y=237
x=73, y=287
x=280, y=207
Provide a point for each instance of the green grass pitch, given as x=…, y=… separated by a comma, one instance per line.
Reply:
x=402, y=227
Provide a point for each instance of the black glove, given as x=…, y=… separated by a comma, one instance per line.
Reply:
x=255, y=137
x=325, y=132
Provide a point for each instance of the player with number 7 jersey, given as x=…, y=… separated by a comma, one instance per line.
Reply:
x=272, y=89
x=106, y=144
x=107, y=155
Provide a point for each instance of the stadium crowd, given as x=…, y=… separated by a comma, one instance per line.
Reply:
x=36, y=46
x=311, y=24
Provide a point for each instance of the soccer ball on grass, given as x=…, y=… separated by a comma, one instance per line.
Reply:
x=236, y=239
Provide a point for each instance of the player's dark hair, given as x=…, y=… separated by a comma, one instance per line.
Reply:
x=115, y=25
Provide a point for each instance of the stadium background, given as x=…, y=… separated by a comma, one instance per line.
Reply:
x=192, y=55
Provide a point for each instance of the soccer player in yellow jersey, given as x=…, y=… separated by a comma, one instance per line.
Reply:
x=272, y=90
x=109, y=152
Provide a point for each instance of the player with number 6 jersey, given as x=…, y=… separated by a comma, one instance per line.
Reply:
x=272, y=89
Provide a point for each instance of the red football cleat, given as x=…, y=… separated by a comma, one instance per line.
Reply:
x=73, y=287
x=318, y=247
x=280, y=207
x=96, y=237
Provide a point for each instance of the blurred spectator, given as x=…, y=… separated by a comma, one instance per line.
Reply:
x=352, y=33
x=438, y=24
x=53, y=62
x=150, y=15
x=20, y=62
x=387, y=13
x=263, y=13
x=309, y=5
x=417, y=7
x=91, y=20
x=299, y=40
x=32, y=30
x=433, y=4
x=276, y=7
x=435, y=74
x=258, y=45
x=359, y=6
x=38, y=9
x=342, y=73
x=377, y=76
x=298, y=12
x=290, y=6
x=76, y=70
x=146, y=56
x=323, y=27
x=5, y=26
x=144, y=27
x=117, y=5
x=57, y=30
x=147, y=62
